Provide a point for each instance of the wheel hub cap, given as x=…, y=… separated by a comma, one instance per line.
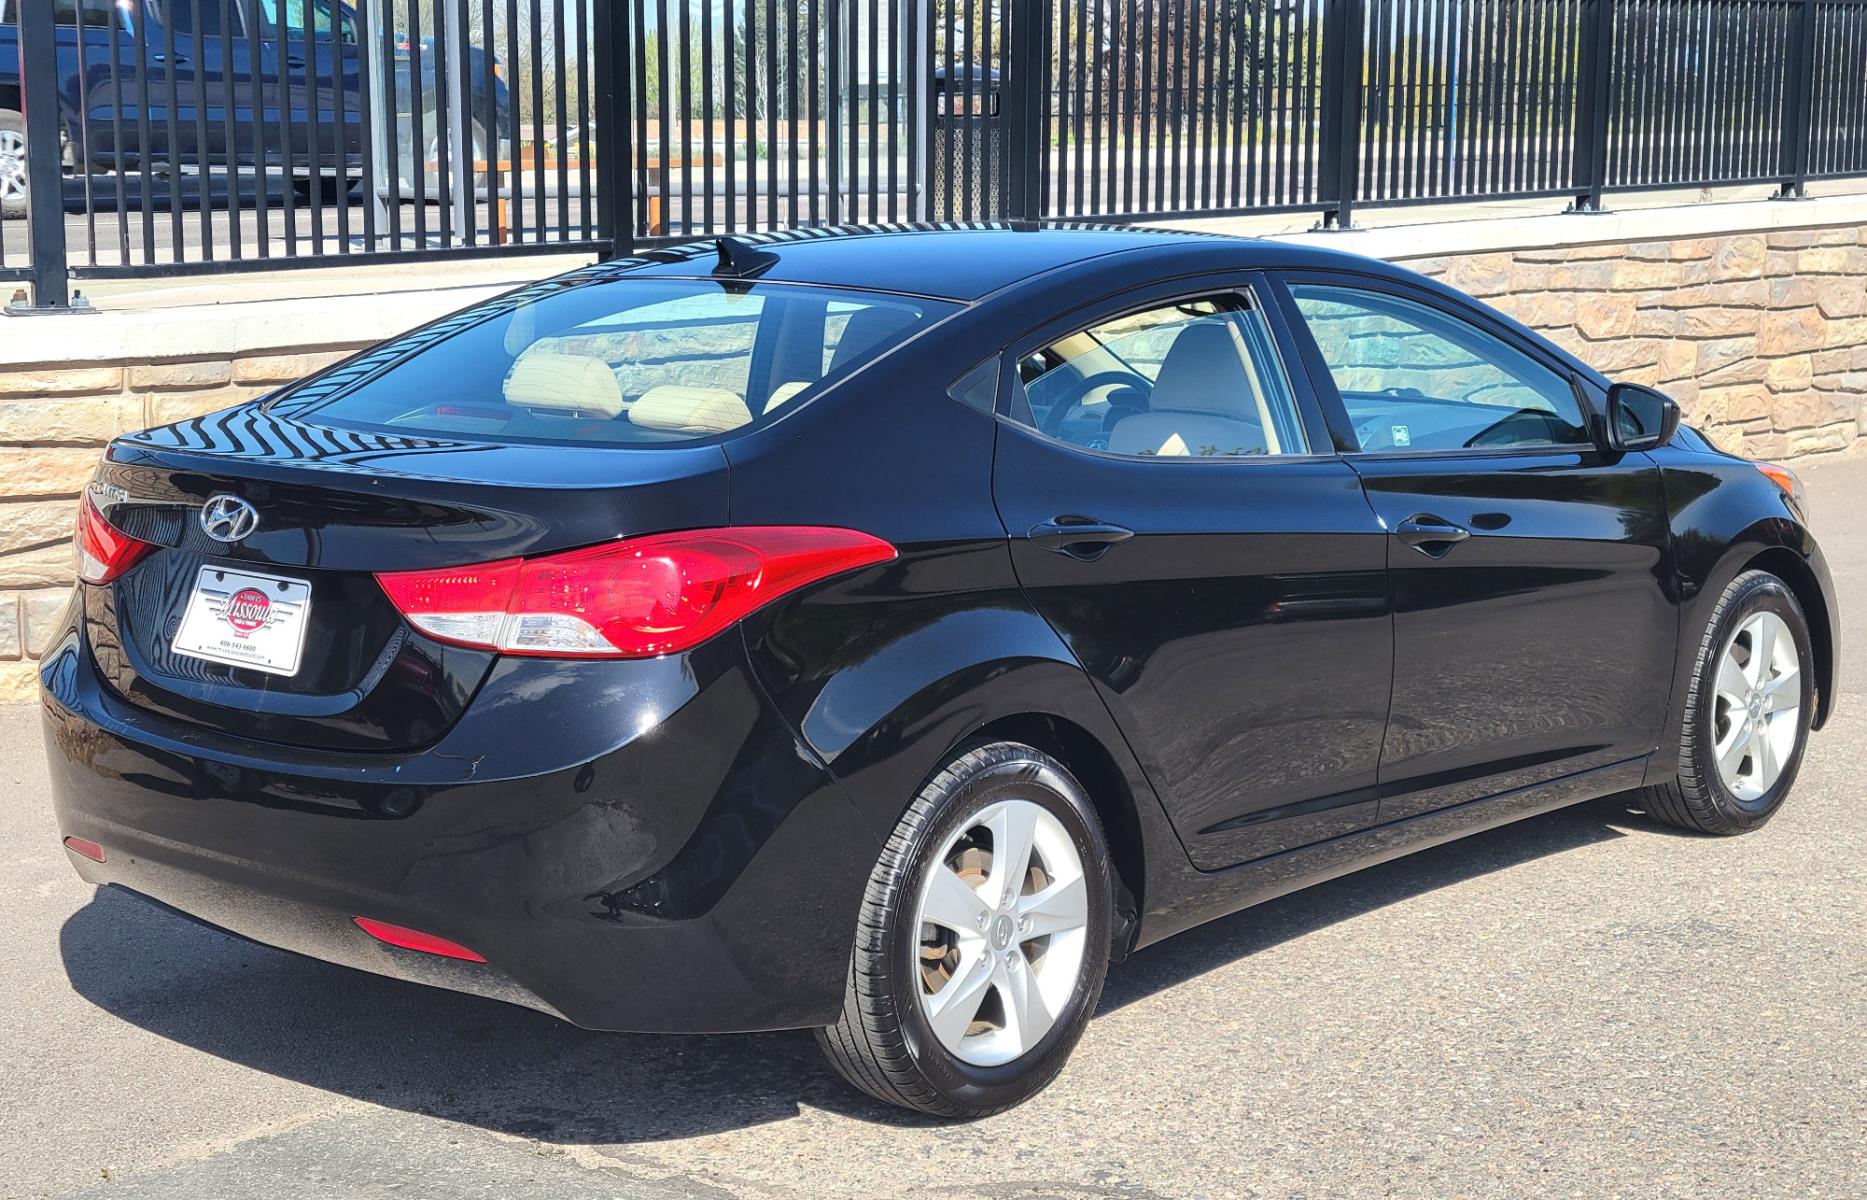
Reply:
x=12, y=165
x=1756, y=717
x=1003, y=916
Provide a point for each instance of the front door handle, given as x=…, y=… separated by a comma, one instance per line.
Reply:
x=1430, y=535
x=1081, y=538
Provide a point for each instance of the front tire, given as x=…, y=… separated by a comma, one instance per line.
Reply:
x=1747, y=714
x=983, y=939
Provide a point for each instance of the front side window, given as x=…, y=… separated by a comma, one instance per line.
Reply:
x=632, y=362
x=1192, y=379
x=1414, y=377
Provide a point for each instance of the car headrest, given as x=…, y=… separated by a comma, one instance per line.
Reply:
x=784, y=393
x=550, y=380
x=864, y=329
x=678, y=408
x=1204, y=371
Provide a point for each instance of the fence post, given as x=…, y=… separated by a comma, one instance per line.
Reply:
x=1798, y=102
x=1023, y=111
x=1594, y=82
x=1344, y=57
x=615, y=211
x=45, y=182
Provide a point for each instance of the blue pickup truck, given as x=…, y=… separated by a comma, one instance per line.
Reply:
x=229, y=83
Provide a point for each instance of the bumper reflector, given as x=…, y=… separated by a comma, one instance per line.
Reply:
x=413, y=939
x=86, y=847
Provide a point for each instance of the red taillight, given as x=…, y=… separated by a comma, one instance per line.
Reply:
x=104, y=551
x=415, y=939
x=86, y=847
x=629, y=599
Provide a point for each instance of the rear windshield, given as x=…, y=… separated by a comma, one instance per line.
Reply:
x=633, y=362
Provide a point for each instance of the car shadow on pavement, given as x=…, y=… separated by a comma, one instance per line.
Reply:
x=1241, y=934
x=515, y=1071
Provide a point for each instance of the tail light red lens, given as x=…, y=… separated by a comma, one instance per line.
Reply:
x=104, y=551
x=628, y=599
x=415, y=939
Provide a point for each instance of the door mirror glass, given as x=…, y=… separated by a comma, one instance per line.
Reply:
x=1640, y=418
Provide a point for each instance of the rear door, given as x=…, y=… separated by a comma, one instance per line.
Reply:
x=205, y=52
x=315, y=45
x=1533, y=632
x=1181, y=521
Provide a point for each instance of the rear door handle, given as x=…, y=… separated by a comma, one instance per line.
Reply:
x=1079, y=537
x=1430, y=535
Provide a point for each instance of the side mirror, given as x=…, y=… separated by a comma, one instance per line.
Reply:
x=1640, y=418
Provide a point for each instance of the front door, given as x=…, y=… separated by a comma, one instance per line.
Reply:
x=1181, y=521
x=1533, y=633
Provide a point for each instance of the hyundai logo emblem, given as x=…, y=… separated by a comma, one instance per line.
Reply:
x=228, y=518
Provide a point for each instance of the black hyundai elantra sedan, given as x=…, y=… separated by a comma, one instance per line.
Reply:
x=883, y=631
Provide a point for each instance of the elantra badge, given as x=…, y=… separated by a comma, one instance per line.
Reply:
x=228, y=518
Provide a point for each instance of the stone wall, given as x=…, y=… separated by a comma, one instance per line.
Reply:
x=54, y=424
x=1761, y=337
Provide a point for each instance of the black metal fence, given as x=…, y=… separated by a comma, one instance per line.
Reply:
x=167, y=137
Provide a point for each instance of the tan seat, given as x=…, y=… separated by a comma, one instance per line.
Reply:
x=1199, y=402
x=546, y=380
x=1177, y=432
x=678, y=408
x=784, y=393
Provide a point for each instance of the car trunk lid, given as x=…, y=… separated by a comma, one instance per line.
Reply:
x=332, y=508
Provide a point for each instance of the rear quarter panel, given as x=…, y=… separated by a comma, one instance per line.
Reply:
x=886, y=672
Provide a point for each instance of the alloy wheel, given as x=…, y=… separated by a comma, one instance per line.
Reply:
x=1756, y=716
x=12, y=165
x=1003, y=913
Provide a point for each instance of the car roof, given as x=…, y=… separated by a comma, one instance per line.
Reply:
x=954, y=261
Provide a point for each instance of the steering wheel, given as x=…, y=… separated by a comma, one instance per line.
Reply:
x=1063, y=409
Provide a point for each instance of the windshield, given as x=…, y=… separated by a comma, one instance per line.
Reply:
x=633, y=362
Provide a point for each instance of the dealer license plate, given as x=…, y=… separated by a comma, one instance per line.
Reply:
x=245, y=619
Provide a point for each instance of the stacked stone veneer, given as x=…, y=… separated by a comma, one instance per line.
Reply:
x=1761, y=336
x=54, y=423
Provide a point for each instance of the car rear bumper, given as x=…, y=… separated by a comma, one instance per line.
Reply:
x=641, y=846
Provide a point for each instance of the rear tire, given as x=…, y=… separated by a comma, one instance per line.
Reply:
x=330, y=189
x=1742, y=741
x=907, y=1035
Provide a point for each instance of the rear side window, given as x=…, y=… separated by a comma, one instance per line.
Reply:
x=1414, y=377
x=634, y=362
x=1196, y=378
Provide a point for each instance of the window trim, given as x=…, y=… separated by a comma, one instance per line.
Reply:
x=1244, y=287
x=1322, y=381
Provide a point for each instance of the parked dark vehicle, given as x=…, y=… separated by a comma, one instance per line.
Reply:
x=883, y=632
x=233, y=83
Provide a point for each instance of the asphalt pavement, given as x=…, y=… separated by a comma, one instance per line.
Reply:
x=1581, y=1005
